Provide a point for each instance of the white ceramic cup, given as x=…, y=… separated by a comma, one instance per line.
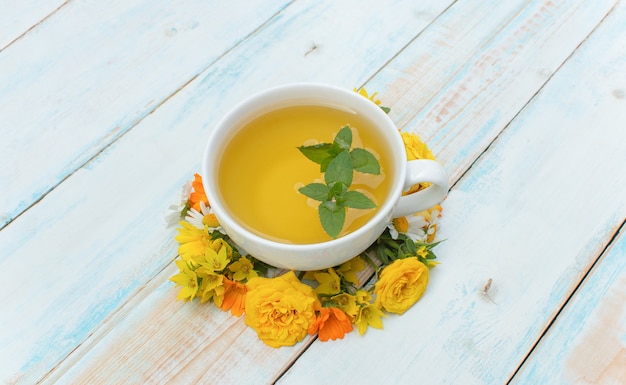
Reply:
x=334, y=252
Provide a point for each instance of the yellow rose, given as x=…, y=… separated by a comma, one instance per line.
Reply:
x=400, y=285
x=280, y=309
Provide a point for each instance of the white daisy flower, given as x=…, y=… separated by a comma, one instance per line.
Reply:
x=205, y=218
x=174, y=211
x=412, y=226
x=431, y=231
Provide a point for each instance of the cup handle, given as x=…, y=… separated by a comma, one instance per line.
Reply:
x=419, y=171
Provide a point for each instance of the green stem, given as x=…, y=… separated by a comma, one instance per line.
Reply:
x=369, y=261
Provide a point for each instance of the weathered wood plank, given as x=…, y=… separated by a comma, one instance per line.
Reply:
x=470, y=73
x=532, y=215
x=91, y=71
x=98, y=237
x=587, y=343
x=18, y=16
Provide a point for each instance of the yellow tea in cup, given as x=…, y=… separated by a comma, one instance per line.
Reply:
x=261, y=170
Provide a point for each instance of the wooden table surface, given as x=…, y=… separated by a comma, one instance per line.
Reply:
x=105, y=108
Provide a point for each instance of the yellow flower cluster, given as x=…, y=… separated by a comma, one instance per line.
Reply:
x=284, y=309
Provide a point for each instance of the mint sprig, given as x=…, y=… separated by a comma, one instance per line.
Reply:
x=338, y=163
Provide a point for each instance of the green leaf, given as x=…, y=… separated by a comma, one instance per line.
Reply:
x=317, y=191
x=386, y=109
x=337, y=190
x=343, y=139
x=317, y=152
x=332, y=217
x=364, y=161
x=357, y=200
x=325, y=163
x=340, y=169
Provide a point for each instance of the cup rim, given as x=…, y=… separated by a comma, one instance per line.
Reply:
x=299, y=94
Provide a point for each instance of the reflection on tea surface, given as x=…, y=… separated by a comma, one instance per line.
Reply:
x=262, y=169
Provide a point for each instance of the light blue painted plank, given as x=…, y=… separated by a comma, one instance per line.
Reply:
x=18, y=16
x=477, y=83
x=91, y=71
x=587, y=342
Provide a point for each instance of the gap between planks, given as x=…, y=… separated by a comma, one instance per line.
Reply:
x=33, y=27
x=573, y=293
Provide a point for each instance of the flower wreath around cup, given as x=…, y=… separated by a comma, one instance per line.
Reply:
x=284, y=307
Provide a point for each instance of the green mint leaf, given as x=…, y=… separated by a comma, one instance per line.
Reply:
x=343, y=139
x=317, y=152
x=336, y=191
x=317, y=191
x=357, y=200
x=340, y=169
x=386, y=109
x=332, y=217
x=326, y=162
x=364, y=161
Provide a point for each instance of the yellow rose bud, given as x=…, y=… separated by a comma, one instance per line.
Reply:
x=400, y=285
x=280, y=309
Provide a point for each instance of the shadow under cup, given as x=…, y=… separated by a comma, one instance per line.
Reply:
x=305, y=256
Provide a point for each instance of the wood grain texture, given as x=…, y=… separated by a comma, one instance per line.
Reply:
x=587, y=343
x=98, y=237
x=77, y=81
x=477, y=66
x=18, y=16
x=509, y=221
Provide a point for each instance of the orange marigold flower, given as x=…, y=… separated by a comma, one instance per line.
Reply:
x=198, y=195
x=234, y=297
x=331, y=324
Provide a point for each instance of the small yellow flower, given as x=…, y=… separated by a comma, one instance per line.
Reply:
x=401, y=284
x=347, y=303
x=243, y=270
x=349, y=269
x=431, y=264
x=422, y=252
x=219, y=244
x=363, y=296
x=212, y=288
x=186, y=278
x=193, y=241
x=329, y=283
x=214, y=261
x=369, y=315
